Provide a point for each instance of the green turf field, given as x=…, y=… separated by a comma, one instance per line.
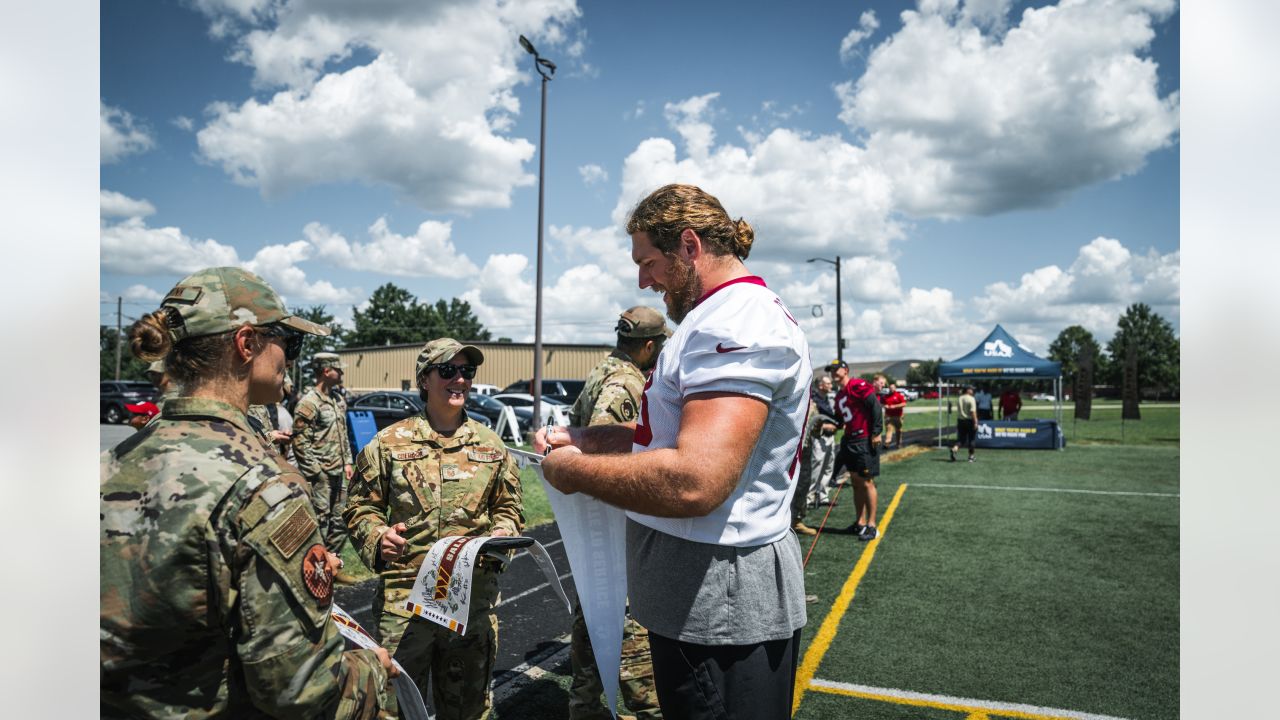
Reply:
x=1058, y=602
x=1158, y=426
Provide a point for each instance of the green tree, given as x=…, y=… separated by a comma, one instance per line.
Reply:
x=131, y=368
x=1158, y=349
x=456, y=320
x=395, y=316
x=924, y=373
x=1066, y=349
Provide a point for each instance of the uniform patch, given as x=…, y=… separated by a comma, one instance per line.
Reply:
x=627, y=410
x=411, y=454
x=450, y=472
x=484, y=455
x=315, y=573
x=291, y=533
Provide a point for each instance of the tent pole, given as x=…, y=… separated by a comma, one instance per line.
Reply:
x=939, y=382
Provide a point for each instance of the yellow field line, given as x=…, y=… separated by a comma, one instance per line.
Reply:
x=822, y=642
x=972, y=708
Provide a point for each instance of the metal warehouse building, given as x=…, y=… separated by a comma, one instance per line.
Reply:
x=390, y=367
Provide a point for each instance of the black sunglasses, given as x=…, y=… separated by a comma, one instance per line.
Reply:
x=292, y=339
x=448, y=370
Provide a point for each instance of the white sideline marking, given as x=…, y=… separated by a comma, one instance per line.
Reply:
x=968, y=703
x=527, y=672
x=1033, y=489
x=530, y=591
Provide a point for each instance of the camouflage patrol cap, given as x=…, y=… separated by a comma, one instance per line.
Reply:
x=215, y=300
x=443, y=350
x=327, y=360
x=642, y=322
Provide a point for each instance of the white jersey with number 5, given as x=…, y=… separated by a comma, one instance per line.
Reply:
x=740, y=339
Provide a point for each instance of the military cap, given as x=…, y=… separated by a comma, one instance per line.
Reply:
x=327, y=360
x=642, y=322
x=215, y=300
x=443, y=350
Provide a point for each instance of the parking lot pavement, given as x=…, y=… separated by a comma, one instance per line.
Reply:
x=110, y=435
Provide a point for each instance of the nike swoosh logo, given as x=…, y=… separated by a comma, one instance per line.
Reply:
x=720, y=348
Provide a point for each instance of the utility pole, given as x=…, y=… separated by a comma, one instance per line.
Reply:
x=119, y=332
x=839, y=312
x=538, y=64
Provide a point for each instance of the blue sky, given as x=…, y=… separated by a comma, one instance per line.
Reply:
x=972, y=163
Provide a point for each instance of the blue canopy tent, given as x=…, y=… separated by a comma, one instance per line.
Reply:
x=1001, y=357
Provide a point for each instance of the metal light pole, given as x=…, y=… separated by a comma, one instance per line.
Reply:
x=839, y=323
x=539, y=63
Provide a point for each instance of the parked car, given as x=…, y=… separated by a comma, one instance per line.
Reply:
x=524, y=401
x=492, y=409
x=392, y=406
x=909, y=394
x=1047, y=397
x=115, y=394
x=484, y=389
x=565, y=391
x=930, y=395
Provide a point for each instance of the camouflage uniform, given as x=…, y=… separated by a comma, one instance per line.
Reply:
x=800, y=501
x=215, y=594
x=323, y=451
x=611, y=395
x=438, y=486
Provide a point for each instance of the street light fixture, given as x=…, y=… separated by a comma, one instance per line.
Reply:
x=539, y=63
x=839, y=323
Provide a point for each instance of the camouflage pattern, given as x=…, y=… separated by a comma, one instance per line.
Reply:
x=635, y=676
x=323, y=450
x=260, y=420
x=213, y=603
x=611, y=395
x=216, y=300
x=438, y=486
x=804, y=480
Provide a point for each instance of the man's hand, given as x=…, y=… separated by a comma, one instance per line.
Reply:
x=279, y=437
x=552, y=464
x=551, y=437
x=391, y=546
x=349, y=470
x=332, y=563
x=500, y=532
x=385, y=658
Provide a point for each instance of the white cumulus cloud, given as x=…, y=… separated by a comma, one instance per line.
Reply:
x=132, y=248
x=968, y=119
x=426, y=115
x=114, y=204
x=592, y=174
x=429, y=252
x=867, y=24
x=121, y=135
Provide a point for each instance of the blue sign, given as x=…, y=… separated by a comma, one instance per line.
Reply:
x=1034, y=434
x=363, y=427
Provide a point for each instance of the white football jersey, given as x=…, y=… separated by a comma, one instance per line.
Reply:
x=739, y=338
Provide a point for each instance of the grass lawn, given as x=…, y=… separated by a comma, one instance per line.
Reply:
x=1158, y=426
x=1065, y=600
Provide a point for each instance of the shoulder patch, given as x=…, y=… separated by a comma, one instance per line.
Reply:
x=483, y=454
x=275, y=494
x=288, y=534
x=315, y=573
x=627, y=410
x=409, y=454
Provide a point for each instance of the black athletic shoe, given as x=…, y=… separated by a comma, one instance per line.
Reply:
x=857, y=529
x=953, y=455
x=970, y=458
x=868, y=533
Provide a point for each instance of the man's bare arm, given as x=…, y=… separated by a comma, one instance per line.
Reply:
x=718, y=432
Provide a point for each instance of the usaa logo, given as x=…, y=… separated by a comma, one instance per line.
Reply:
x=985, y=432
x=997, y=348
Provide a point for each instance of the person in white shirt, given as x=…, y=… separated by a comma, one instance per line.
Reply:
x=708, y=472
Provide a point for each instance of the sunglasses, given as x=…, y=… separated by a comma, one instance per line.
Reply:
x=448, y=370
x=292, y=339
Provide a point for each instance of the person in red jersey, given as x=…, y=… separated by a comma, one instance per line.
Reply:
x=858, y=407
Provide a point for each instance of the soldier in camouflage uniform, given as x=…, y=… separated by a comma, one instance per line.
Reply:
x=215, y=586
x=430, y=476
x=800, y=500
x=322, y=449
x=611, y=395
x=266, y=421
